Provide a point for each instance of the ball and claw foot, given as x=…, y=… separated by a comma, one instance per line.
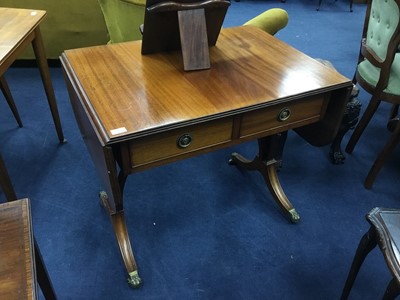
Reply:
x=134, y=280
x=294, y=216
x=337, y=157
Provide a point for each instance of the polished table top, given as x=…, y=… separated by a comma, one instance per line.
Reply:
x=19, y=28
x=130, y=95
x=15, y=26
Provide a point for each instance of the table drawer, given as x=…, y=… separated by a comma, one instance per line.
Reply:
x=179, y=141
x=284, y=116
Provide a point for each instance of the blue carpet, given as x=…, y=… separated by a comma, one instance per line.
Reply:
x=200, y=228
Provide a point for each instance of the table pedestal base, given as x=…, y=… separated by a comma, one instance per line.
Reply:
x=267, y=162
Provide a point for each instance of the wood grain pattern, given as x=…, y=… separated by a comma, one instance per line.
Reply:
x=194, y=41
x=18, y=29
x=132, y=109
x=15, y=26
x=250, y=69
x=164, y=145
x=17, y=271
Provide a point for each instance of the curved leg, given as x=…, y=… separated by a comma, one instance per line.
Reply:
x=392, y=290
x=113, y=203
x=267, y=162
x=367, y=243
x=121, y=233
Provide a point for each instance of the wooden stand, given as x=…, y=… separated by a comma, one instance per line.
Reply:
x=189, y=26
x=194, y=40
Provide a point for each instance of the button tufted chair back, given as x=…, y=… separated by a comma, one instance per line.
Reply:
x=378, y=73
x=382, y=25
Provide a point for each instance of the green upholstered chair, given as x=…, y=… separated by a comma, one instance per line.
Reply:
x=123, y=18
x=378, y=72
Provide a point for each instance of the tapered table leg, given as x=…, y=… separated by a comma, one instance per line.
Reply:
x=267, y=162
x=39, y=51
x=10, y=100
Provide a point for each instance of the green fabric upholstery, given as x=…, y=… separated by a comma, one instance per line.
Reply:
x=382, y=24
x=378, y=73
x=370, y=74
x=123, y=18
x=270, y=21
x=69, y=24
x=384, y=19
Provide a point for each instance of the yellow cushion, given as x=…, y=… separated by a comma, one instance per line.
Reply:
x=271, y=20
x=136, y=2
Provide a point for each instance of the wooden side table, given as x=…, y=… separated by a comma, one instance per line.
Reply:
x=21, y=264
x=18, y=29
x=384, y=232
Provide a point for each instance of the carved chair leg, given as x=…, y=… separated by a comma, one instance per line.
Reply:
x=392, y=290
x=367, y=243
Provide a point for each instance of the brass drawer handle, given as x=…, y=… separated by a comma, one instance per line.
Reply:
x=284, y=114
x=184, y=140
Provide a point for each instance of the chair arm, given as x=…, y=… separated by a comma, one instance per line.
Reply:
x=271, y=20
x=136, y=2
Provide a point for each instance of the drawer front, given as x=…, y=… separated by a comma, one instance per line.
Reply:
x=179, y=141
x=283, y=116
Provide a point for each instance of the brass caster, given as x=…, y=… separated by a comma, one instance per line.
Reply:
x=294, y=216
x=103, y=198
x=134, y=280
x=232, y=161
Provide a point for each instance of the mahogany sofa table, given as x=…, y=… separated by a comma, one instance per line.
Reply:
x=18, y=29
x=136, y=112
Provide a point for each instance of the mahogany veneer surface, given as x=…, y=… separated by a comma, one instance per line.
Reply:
x=17, y=267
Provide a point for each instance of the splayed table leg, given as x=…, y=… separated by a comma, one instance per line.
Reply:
x=267, y=162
